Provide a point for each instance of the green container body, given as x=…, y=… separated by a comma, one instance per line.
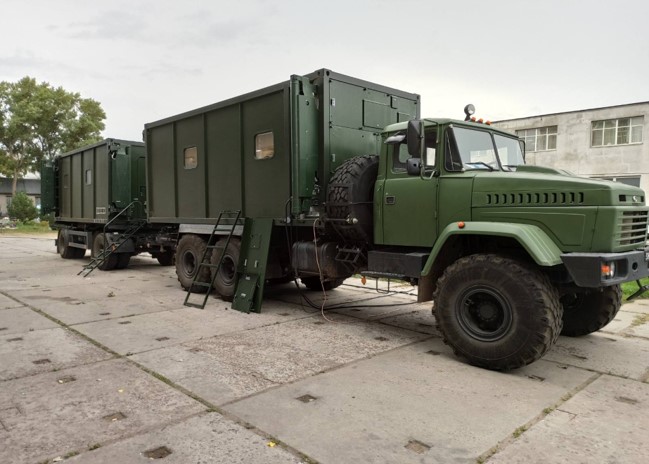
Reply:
x=205, y=161
x=96, y=182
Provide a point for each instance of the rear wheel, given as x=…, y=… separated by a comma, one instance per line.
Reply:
x=165, y=258
x=65, y=250
x=496, y=312
x=110, y=262
x=188, y=257
x=122, y=260
x=226, y=280
x=313, y=283
x=588, y=312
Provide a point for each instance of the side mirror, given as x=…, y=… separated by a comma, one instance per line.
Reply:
x=413, y=166
x=414, y=135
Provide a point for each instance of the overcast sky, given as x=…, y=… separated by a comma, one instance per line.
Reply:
x=146, y=60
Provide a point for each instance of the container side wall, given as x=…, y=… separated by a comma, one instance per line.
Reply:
x=191, y=172
x=102, y=182
x=266, y=180
x=76, y=187
x=223, y=127
x=88, y=174
x=161, y=164
x=65, y=169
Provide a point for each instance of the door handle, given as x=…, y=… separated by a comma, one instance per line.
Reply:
x=390, y=199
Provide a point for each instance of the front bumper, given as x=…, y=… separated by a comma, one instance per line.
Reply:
x=586, y=268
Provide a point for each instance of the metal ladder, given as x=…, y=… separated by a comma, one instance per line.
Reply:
x=131, y=230
x=228, y=218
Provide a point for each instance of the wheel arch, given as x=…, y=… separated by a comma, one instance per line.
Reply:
x=536, y=244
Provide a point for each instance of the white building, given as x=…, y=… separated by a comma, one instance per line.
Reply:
x=605, y=143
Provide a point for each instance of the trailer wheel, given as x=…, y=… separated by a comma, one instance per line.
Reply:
x=225, y=282
x=313, y=283
x=350, y=195
x=588, y=312
x=97, y=248
x=65, y=250
x=165, y=258
x=496, y=312
x=189, y=252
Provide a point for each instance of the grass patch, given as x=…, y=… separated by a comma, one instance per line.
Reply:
x=519, y=431
x=640, y=319
x=42, y=227
x=629, y=288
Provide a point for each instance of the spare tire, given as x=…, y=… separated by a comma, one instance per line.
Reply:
x=350, y=197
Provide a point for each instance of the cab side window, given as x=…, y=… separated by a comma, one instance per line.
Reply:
x=400, y=152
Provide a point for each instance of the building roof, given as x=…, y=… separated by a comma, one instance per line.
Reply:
x=29, y=186
x=573, y=111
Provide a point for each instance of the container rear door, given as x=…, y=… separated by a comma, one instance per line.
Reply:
x=304, y=142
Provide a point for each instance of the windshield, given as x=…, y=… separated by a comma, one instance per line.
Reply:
x=477, y=150
x=510, y=151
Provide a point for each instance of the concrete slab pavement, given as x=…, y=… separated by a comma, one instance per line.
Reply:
x=68, y=411
x=605, y=422
x=370, y=411
x=382, y=388
x=208, y=438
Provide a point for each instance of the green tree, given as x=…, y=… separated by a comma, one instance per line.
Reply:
x=22, y=208
x=37, y=121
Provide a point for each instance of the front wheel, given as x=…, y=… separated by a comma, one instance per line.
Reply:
x=497, y=312
x=587, y=312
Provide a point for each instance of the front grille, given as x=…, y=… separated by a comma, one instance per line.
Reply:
x=535, y=198
x=632, y=228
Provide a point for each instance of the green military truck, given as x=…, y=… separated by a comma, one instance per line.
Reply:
x=332, y=176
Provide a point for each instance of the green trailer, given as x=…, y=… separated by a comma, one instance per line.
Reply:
x=98, y=197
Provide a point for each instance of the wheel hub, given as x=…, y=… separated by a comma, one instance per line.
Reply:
x=484, y=313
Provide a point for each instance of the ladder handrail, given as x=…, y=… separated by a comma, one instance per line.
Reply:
x=130, y=231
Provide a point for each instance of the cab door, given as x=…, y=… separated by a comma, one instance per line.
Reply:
x=409, y=202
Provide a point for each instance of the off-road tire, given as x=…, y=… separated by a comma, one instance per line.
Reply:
x=65, y=250
x=165, y=258
x=350, y=196
x=313, y=283
x=588, y=312
x=496, y=312
x=111, y=260
x=188, y=257
x=122, y=260
x=225, y=282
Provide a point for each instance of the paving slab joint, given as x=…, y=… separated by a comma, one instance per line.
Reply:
x=519, y=431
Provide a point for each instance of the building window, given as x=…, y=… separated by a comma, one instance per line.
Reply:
x=622, y=131
x=88, y=177
x=191, y=157
x=264, y=145
x=539, y=138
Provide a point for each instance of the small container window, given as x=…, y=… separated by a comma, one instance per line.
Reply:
x=191, y=157
x=88, y=177
x=264, y=145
